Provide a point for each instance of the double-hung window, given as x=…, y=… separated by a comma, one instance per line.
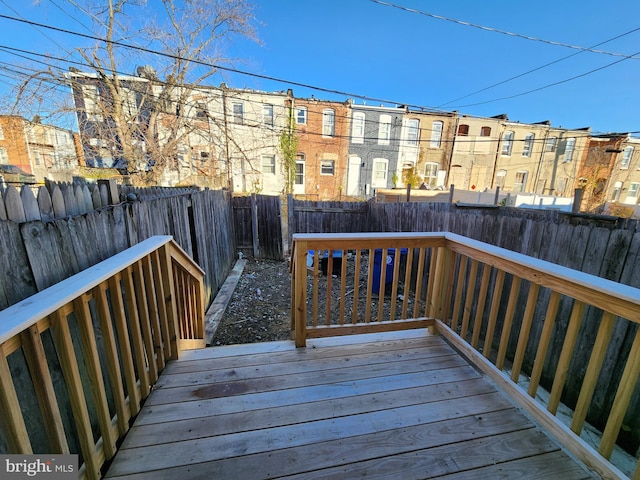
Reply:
x=384, y=130
x=357, y=127
x=507, y=143
x=328, y=122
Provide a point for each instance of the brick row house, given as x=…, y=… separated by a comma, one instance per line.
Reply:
x=39, y=149
x=351, y=149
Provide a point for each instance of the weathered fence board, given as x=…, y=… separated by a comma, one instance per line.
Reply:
x=265, y=211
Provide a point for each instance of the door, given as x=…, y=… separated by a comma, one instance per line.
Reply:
x=298, y=181
x=353, y=177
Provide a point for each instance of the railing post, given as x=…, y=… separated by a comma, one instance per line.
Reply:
x=300, y=293
x=441, y=283
x=170, y=300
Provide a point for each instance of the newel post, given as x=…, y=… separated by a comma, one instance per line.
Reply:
x=299, y=293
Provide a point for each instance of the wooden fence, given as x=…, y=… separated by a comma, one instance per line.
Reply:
x=608, y=247
x=78, y=359
x=39, y=253
x=258, y=224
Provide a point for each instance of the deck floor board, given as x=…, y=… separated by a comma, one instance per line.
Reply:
x=404, y=405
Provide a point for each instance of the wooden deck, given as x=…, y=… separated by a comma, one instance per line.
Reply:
x=400, y=405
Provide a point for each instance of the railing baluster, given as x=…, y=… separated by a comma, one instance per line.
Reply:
x=493, y=314
x=126, y=355
x=430, y=283
x=621, y=401
x=145, y=320
x=164, y=315
x=113, y=363
x=462, y=273
x=356, y=287
x=154, y=317
x=407, y=282
x=316, y=281
x=525, y=329
x=43, y=385
x=471, y=287
x=418, y=294
x=508, y=322
x=90, y=350
x=367, y=314
x=69, y=365
x=565, y=356
x=343, y=284
x=329, y=288
x=170, y=299
x=394, y=284
x=482, y=299
x=382, y=284
x=593, y=370
x=11, y=417
x=543, y=344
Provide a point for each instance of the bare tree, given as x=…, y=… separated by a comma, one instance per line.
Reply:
x=150, y=118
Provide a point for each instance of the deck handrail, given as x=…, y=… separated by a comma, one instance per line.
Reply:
x=108, y=331
x=486, y=301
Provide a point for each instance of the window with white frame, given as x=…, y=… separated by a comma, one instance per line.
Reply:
x=298, y=178
x=436, y=134
x=267, y=115
x=357, y=127
x=561, y=185
x=568, y=149
x=431, y=174
x=384, y=130
x=500, y=177
x=327, y=167
x=626, y=157
x=521, y=181
x=269, y=164
x=91, y=97
x=632, y=193
x=617, y=188
x=129, y=103
x=238, y=113
x=507, y=143
x=301, y=115
x=413, y=131
x=380, y=168
x=328, y=122
x=36, y=157
x=550, y=144
x=528, y=145
x=4, y=156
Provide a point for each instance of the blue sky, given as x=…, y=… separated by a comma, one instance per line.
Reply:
x=363, y=48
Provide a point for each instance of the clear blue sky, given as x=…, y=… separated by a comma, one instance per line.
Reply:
x=364, y=48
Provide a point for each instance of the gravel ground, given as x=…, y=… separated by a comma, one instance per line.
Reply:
x=259, y=310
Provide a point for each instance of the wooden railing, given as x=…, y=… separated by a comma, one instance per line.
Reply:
x=486, y=301
x=77, y=359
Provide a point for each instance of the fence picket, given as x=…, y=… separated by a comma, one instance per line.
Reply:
x=13, y=203
x=57, y=200
x=29, y=203
x=45, y=205
x=3, y=210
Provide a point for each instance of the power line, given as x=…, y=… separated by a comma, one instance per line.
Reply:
x=537, y=68
x=504, y=32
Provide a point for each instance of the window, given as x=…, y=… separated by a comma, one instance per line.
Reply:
x=626, y=157
x=1, y=133
x=568, y=149
x=521, y=181
x=463, y=130
x=269, y=164
x=384, y=130
x=267, y=115
x=632, y=194
x=298, y=178
x=380, y=172
x=431, y=174
x=327, y=167
x=4, y=157
x=238, y=113
x=91, y=95
x=485, y=132
x=507, y=143
x=204, y=156
x=301, y=115
x=98, y=142
x=129, y=103
x=328, y=123
x=357, y=128
x=550, y=145
x=413, y=131
x=201, y=111
x=500, y=176
x=36, y=157
x=436, y=134
x=617, y=188
x=561, y=186
x=528, y=145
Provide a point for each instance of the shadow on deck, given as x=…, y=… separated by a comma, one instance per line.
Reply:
x=391, y=405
